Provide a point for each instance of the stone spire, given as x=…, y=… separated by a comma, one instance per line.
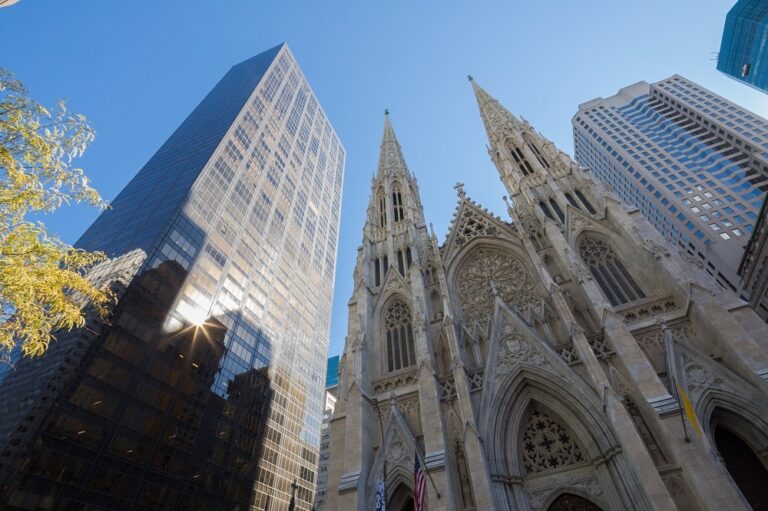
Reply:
x=496, y=118
x=391, y=159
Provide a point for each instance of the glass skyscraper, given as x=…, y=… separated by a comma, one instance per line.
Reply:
x=744, y=48
x=695, y=164
x=205, y=388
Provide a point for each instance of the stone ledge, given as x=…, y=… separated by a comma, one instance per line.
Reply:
x=348, y=482
x=435, y=460
x=664, y=405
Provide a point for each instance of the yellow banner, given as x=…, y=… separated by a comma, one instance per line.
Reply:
x=689, y=410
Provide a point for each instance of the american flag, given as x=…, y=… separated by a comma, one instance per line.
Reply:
x=420, y=486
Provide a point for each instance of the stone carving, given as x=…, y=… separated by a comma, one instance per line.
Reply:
x=649, y=310
x=394, y=382
x=475, y=379
x=513, y=349
x=652, y=343
x=568, y=353
x=397, y=452
x=547, y=445
x=595, y=251
x=698, y=378
x=689, y=258
x=395, y=283
x=657, y=250
x=600, y=347
x=590, y=486
x=489, y=274
x=471, y=225
x=577, y=223
x=447, y=389
x=410, y=410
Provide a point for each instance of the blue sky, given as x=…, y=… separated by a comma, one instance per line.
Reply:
x=137, y=68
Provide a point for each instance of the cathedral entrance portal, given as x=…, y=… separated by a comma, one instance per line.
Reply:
x=401, y=499
x=745, y=468
x=571, y=502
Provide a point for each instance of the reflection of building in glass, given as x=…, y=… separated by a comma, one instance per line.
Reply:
x=694, y=164
x=744, y=48
x=331, y=394
x=205, y=390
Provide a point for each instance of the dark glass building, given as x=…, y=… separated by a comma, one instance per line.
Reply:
x=744, y=49
x=204, y=389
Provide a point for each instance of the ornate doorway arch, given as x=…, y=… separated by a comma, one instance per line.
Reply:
x=401, y=499
x=572, y=502
x=746, y=469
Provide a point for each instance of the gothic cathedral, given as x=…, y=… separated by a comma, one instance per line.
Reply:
x=567, y=359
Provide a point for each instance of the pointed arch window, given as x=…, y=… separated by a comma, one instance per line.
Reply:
x=571, y=201
x=397, y=203
x=382, y=202
x=520, y=160
x=399, y=333
x=401, y=262
x=558, y=211
x=584, y=201
x=609, y=272
x=545, y=209
x=538, y=155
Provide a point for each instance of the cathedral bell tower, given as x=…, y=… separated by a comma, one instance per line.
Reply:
x=388, y=390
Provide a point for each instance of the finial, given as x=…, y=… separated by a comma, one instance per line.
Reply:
x=469, y=77
x=386, y=111
x=459, y=187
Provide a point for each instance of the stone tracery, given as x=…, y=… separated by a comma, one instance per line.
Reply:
x=489, y=274
x=547, y=445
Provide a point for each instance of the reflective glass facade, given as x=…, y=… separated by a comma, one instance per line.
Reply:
x=695, y=164
x=205, y=390
x=744, y=48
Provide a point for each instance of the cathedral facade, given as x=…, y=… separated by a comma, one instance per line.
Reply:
x=566, y=359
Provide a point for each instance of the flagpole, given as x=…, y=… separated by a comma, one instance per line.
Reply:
x=682, y=412
x=428, y=474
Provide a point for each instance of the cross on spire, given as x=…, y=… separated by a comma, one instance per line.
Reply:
x=459, y=187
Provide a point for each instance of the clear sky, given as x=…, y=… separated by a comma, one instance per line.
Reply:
x=137, y=69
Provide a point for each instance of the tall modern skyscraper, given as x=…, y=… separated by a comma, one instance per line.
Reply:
x=205, y=390
x=744, y=49
x=695, y=164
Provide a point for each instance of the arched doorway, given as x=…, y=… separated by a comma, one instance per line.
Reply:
x=571, y=502
x=746, y=469
x=401, y=499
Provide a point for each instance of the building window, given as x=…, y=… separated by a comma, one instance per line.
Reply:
x=382, y=208
x=397, y=322
x=520, y=160
x=397, y=203
x=558, y=211
x=609, y=272
x=584, y=201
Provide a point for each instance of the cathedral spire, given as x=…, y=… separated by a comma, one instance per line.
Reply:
x=391, y=159
x=495, y=117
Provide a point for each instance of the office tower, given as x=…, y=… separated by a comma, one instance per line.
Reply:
x=204, y=390
x=331, y=395
x=744, y=48
x=536, y=363
x=754, y=277
x=695, y=165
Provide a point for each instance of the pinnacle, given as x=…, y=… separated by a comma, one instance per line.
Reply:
x=391, y=159
x=494, y=115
